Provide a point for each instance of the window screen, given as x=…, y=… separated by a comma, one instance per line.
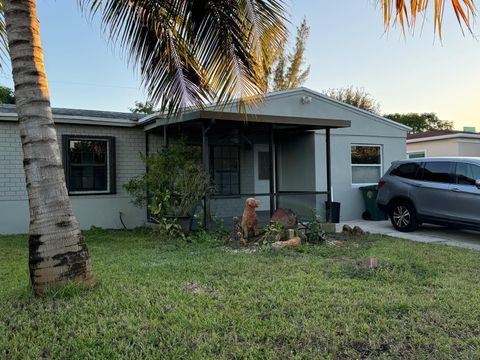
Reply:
x=225, y=167
x=263, y=165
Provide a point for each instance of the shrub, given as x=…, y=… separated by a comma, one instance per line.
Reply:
x=312, y=231
x=175, y=182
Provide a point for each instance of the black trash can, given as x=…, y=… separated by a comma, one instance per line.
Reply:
x=372, y=212
x=334, y=211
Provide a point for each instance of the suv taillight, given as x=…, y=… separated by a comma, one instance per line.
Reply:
x=380, y=184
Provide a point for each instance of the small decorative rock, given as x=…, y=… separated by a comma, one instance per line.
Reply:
x=347, y=229
x=357, y=230
x=370, y=263
x=294, y=242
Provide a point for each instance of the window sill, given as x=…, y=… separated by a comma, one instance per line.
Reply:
x=356, y=186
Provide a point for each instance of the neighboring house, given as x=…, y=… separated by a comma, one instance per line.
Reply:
x=278, y=152
x=443, y=143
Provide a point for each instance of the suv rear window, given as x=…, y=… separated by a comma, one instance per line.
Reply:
x=408, y=171
x=437, y=171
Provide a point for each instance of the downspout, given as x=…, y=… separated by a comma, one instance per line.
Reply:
x=329, y=175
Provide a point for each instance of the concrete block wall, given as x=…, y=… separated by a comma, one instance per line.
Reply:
x=12, y=178
x=91, y=210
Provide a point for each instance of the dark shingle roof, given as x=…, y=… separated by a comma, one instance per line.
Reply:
x=433, y=133
x=7, y=108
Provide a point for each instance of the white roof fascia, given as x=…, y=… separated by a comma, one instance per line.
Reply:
x=444, y=137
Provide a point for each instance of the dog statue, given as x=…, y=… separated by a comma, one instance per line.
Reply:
x=249, y=219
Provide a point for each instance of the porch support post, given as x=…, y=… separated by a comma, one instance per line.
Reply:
x=271, y=151
x=147, y=153
x=277, y=187
x=329, y=175
x=206, y=167
x=165, y=136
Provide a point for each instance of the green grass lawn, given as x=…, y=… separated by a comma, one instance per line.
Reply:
x=159, y=298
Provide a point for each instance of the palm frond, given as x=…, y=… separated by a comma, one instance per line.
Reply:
x=405, y=13
x=194, y=51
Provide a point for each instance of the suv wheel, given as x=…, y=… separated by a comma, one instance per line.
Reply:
x=403, y=216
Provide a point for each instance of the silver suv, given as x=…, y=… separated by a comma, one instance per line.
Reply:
x=442, y=191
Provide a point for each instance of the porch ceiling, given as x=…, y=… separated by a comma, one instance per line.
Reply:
x=306, y=123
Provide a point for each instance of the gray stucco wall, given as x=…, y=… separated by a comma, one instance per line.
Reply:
x=352, y=206
x=365, y=129
x=301, y=158
x=93, y=210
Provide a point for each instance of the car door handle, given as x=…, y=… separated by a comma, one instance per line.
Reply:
x=456, y=189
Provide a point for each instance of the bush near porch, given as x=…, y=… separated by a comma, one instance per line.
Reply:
x=163, y=298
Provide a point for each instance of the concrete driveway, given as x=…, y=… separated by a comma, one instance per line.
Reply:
x=426, y=233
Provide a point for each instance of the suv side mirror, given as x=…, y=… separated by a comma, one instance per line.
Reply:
x=477, y=183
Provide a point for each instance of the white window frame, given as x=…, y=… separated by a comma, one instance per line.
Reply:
x=380, y=166
x=413, y=152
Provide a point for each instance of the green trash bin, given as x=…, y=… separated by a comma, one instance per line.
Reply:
x=372, y=212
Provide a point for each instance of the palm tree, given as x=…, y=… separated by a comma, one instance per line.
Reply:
x=189, y=52
x=405, y=12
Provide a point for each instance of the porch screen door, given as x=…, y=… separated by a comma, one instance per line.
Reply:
x=262, y=175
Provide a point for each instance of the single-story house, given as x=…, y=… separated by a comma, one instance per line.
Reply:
x=297, y=149
x=443, y=143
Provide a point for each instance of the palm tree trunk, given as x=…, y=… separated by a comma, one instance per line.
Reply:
x=57, y=250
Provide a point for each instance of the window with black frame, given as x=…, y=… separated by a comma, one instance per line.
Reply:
x=225, y=169
x=89, y=164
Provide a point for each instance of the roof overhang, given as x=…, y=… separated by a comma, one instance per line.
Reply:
x=79, y=120
x=309, y=123
x=444, y=137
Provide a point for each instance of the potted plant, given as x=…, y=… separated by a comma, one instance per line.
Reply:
x=173, y=186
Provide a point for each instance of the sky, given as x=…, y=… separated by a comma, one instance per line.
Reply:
x=347, y=46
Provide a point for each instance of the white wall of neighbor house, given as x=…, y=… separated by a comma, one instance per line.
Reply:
x=469, y=147
x=391, y=142
x=91, y=210
x=445, y=147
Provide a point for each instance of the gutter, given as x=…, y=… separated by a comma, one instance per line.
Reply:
x=444, y=137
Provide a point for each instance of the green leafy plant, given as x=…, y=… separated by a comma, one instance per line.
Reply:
x=312, y=231
x=174, y=184
x=273, y=232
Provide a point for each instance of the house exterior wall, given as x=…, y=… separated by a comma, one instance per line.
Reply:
x=301, y=161
x=392, y=148
x=469, y=147
x=90, y=210
x=365, y=129
x=445, y=147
